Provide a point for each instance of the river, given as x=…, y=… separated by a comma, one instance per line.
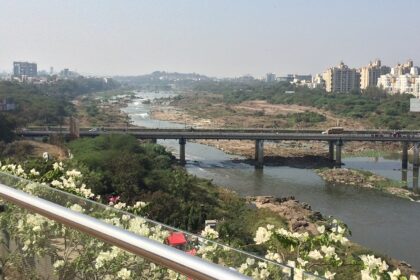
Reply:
x=384, y=223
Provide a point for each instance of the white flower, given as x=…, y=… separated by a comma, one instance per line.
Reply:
x=372, y=263
x=302, y=262
x=139, y=205
x=120, y=205
x=34, y=172
x=250, y=261
x=262, y=264
x=273, y=256
x=58, y=264
x=264, y=274
x=125, y=217
x=315, y=254
x=321, y=229
x=365, y=274
x=270, y=227
x=26, y=245
x=328, y=251
x=242, y=268
x=329, y=275
x=74, y=173
x=262, y=235
x=395, y=274
x=124, y=274
x=413, y=277
x=209, y=233
x=77, y=208
x=58, y=166
x=340, y=230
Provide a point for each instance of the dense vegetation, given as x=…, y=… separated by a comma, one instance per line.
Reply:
x=381, y=109
x=6, y=128
x=305, y=118
x=47, y=103
x=118, y=165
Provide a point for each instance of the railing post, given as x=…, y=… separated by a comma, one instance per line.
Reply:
x=182, y=143
x=259, y=154
x=404, y=155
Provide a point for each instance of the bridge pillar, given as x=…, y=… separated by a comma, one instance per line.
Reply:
x=182, y=143
x=259, y=154
x=416, y=155
x=153, y=141
x=331, y=150
x=416, y=179
x=338, y=146
x=404, y=155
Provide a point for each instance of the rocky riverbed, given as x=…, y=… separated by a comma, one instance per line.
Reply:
x=365, y=179
x=299, y=215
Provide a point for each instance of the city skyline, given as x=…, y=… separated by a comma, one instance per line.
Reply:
x=214, y=38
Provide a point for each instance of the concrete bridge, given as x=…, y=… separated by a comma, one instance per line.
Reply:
x=335, y=141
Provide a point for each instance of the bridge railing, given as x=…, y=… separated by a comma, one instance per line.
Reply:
x=72, y=237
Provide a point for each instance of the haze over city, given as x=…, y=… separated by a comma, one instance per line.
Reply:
x=216, y=38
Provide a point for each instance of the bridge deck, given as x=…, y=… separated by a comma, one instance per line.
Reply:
x=232, y=135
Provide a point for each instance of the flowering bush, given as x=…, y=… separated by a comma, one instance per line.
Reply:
x=79, y=256
x=320, y=254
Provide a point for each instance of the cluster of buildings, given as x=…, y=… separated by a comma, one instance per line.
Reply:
x=403, y=78
x=291, y=78
x=24, y=71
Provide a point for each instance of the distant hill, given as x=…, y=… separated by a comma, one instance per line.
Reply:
x=161, y=79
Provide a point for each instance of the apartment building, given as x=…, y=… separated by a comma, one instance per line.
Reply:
x=24, y=69
x=341, y=79
x=370, y=74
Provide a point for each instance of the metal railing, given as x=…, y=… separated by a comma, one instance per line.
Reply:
x=149, y=249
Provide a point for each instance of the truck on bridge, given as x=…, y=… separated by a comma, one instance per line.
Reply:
x=334, y=130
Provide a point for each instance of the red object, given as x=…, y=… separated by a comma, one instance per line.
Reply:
x=192, y=252
x=113, y=199
x=176, y=238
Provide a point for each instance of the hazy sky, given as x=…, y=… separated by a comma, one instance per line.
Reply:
x=214, y=37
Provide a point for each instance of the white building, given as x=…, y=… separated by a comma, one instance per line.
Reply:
x=386, y=82
x=400, y=83
x=416, y=87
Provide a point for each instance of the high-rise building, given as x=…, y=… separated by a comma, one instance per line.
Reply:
x=370, y=74
x=24, y=69
x=270, y=77
x=341, y=79
x=402, y=69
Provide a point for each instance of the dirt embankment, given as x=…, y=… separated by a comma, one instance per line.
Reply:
x=202, y=115
x=30, y=148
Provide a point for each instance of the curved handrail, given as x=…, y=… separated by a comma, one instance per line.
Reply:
x=149, y=249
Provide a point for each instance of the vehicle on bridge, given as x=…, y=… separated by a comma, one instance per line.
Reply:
x=334, y=130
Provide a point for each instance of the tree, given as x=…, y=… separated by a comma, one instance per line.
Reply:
x=6, y=129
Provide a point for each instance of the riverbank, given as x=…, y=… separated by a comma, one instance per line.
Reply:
x=366, y=179
x=199, y=113
x=275, y=187
x=301, y=218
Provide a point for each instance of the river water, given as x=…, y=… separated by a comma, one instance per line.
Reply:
x=387, y=224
